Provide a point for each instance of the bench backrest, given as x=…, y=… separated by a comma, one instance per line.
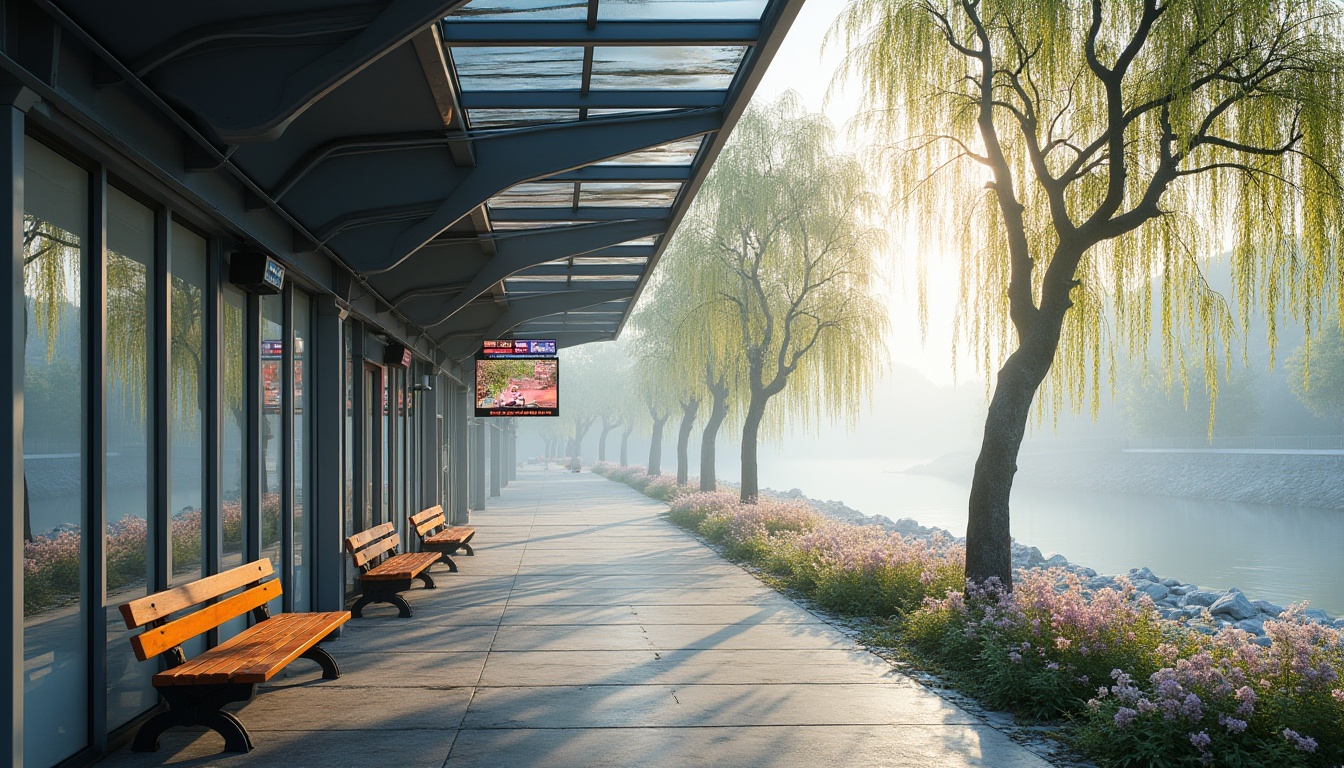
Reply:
x=153, y=610
x=368, y=548
x=428, y=522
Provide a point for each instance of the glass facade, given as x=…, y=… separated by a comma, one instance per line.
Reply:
x=207, y=414
x=129, y=565
x=55, y=587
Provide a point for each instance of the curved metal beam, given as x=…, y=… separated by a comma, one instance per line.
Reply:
x=263, y=111
x=287, y=26
x=521, y=310
x=510, y=160
x=517, y=253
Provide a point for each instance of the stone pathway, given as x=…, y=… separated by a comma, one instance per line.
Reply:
x=586, y=631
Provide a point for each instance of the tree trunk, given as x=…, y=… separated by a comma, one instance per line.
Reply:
x=625, y=445
x=751, y=428
x=708, y=440
x=602, y=442
x=656, y=448
x=988, y=534
x=688, y=411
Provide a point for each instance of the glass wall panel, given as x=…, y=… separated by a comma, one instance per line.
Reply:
x=272, y=437
x=300, y=587
x=385, y=471
x=130, y=552
x=187, y=388
x=55, y=632
x=233, y=424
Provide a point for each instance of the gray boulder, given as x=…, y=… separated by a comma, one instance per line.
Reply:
x=1317, y=615
x=1264, y=606
x=1141, y=574
x=1254, y=626
x=1263, y=641
x=1203, y=598
x=1155, y=591
x=1057, y=561
x=1233, y=606
x=1170, y=583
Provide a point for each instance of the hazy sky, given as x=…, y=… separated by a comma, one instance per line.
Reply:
x=799, y=65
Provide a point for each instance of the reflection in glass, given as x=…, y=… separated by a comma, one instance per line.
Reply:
x=519, y=68
x=55, y=632
x=526, y=10
x=349, y=529
x=645, y=194
x=186, y=409
x=272, y=445
x=674, y=153
x=233, y=425
x=129, y=561
x=689, y=67
x=299, y=584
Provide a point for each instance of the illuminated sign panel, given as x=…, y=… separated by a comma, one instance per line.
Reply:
x=517, y=377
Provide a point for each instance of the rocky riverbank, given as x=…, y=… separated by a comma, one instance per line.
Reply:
x=1205, y=610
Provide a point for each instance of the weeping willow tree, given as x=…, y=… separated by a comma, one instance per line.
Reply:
x=788, y=272
x=1075, y=153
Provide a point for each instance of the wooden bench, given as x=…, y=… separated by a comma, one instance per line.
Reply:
x=383, y=573
x=436, y=536
x=198, y=688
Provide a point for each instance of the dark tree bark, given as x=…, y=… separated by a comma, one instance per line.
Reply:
x=625, y=445
x=608, y=425
x=751, y=428
x=718, y=410
x=688, y=411
x=656, y=444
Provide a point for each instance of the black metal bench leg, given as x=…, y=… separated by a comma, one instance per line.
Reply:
x=357, y=610
x=429, y=582
x=236, y=738
x=199, y=705
x=329, y=669
x=403, y=607
x=448, y=561
x=470, y=552
x=147, y=738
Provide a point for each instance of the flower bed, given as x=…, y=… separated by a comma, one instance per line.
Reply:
x=1131, y=688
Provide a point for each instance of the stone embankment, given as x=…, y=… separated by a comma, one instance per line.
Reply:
x=1205, y=610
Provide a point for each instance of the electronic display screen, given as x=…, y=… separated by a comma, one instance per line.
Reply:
x=519, y=349
x=515, y=385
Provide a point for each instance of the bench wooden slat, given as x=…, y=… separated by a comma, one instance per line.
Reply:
x=401, y=566
x=455, y=535
x=297, y=642
x=152, y=642
x=140, y=612
x=374, y=550
x=429, y=525
x=354, y=543
x=258, y=653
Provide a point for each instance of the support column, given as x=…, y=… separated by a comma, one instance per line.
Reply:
x=328, y=500
x=511, y=458
x=477, y=446
x=496, y=460
x=459, y=455
x=15, y=101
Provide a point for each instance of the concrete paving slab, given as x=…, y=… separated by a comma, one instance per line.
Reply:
x=423, y=748
x=655, y=614
x=544, y=668
x=606, y=706
x=760, y=747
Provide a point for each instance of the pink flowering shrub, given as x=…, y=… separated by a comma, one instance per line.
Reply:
x=603, y=468
x=1227, y=701
x=1042, y=649
x=662, y=488
x=865, y=570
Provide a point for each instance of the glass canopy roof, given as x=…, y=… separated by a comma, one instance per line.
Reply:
x=530, y=64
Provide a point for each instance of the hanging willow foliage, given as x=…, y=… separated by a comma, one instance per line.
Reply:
x=1139, y=138
x=777, y=268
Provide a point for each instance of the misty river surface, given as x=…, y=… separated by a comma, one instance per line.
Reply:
x=1280, y=554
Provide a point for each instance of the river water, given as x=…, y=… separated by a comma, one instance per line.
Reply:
x=1281, y=554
